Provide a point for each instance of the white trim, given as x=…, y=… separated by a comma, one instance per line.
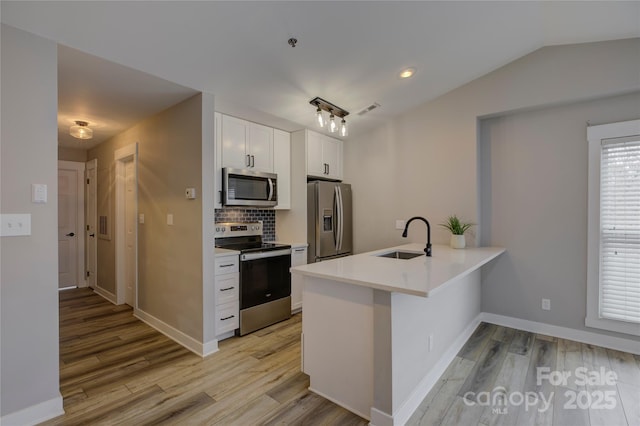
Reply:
x=176, y=335
x=411, y=404
x=611, y=342
x=340, y=403
x=35, y=414
x=122, y=156
x=92, y=165
x=380, y=418
x=595, y=135
x=105, y=294
x=80, y=265
x=209, y=348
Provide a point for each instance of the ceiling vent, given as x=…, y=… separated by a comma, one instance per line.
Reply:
x=369, y=108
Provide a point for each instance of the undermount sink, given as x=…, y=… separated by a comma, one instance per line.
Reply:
x=405, y=255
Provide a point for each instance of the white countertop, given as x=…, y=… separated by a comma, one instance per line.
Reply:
x=420, y=276
x=226, y=252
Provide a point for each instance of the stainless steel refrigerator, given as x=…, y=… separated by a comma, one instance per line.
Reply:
x=329, y=220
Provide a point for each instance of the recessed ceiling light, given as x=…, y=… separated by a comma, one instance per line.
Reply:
x=407, y=73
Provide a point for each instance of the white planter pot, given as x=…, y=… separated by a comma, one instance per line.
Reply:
x=457, y=242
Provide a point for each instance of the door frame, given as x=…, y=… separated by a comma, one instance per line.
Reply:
x=122, y=156
x=92, y=186
x=79, y=167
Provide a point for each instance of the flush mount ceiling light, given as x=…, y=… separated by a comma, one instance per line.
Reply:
x=81, y=130
x=334, y=111
x=407, y=72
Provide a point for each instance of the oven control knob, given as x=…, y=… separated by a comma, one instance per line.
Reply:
x=217, y=229
x=224, y=229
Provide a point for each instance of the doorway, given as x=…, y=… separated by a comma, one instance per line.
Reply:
x=70, y=224
x=126, y=160
x=91, y=222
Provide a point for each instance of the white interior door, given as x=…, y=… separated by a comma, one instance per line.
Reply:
x=92, y=223
x=70, y=224
x=130, y=231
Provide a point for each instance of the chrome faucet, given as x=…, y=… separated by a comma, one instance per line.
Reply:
x=427, y=249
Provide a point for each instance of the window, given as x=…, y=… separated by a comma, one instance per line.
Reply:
x=613, y=277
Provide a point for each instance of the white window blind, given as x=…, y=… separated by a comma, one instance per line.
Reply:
x=620, y=229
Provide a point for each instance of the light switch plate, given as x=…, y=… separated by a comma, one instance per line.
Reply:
x=38, y=193
x=400, y=224
x=141, y=218
x=14, y=225
x=169, y=219
x=190, y=193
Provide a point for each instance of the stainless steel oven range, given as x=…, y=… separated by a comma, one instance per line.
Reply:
x=265, y=281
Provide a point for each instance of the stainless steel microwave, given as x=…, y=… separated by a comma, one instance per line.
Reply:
x=248, y=188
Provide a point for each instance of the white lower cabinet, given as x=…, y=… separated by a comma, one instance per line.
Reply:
x=227, y=295
x=298, y=257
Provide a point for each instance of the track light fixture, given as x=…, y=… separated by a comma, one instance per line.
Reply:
x=334, y=111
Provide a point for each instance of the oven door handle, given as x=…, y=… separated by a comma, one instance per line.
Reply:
x=265, y=254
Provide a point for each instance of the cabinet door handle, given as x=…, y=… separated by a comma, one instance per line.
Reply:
x=247, y=160
x=328, y=169
x=253, y=161
x=226, y=266
x=299, y=250
x=227, y=289
x=227, y=318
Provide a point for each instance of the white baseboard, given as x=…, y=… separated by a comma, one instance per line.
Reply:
x=35, y=414
x=410, y=405
x=106, y=294
x=210, y=347
x=380, y=418
x=176, y=335
x=611, y=342
x=363, y=415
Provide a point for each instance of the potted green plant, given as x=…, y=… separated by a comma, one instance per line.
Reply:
x=457, y=229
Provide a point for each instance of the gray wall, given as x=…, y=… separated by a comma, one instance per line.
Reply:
x=534, y=185
x=72, y=154
x=29, y=268
x=426, y=161
x=170, y=271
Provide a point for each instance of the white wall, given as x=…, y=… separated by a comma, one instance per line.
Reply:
x=425, y=162
x=29, y=274
x=534, y=171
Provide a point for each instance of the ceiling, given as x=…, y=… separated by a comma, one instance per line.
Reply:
x=348, y=52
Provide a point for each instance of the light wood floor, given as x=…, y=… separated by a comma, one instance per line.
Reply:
x=114, y=369
x=504, y=362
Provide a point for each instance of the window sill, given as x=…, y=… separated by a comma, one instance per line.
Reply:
x=612, y=325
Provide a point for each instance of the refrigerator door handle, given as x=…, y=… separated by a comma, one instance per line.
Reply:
x=340, y=217
x=336, y=217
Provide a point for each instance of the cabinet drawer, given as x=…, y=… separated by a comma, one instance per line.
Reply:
x=226, y=265
x=227, y=288
x=227, y=317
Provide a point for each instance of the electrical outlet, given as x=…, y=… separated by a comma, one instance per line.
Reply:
x=400, y=224
x=546, y=304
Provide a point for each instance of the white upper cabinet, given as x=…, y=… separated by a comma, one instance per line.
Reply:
x=260, y=143
x=282, y=167
x=324, y=156
x=246, y=145
x=217, y=180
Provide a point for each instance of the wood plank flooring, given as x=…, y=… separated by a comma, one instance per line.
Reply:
x=495, y=376
x=116, y=370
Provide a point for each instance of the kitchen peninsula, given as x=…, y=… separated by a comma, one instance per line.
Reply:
x=378, y=331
